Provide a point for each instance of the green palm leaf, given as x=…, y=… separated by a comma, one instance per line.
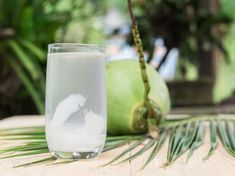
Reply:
x=27, y=153
x=156, y=148
x=27, y=61
x=224, y=137
x=130, y=148
x=33, y=49
x=230, y=129
x=213, y=139
x=185, y=139
x=44, y=160
x=185, y=135
x=115, y=144
x=198, y=141
x=146, y=147
x=24, y=59
x=28, y=84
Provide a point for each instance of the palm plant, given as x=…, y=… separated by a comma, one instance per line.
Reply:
x=26, y=27
x=23, y=50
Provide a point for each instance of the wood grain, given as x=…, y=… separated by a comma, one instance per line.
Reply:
x=220, y=163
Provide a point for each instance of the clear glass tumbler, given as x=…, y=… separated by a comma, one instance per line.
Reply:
x=75, y=100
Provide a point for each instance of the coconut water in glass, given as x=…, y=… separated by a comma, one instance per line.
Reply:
x=75, y=100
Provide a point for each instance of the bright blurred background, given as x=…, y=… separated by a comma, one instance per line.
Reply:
x=191, y=43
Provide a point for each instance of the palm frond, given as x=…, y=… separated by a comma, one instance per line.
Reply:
x=145, y=148
x=20, y=129
x=115, y=144
x=198, y=141
x=225, y=137
x=180, y=144
x=213, y=139
x=130, y=148
x=230, y=129
x=24, y=148
x=28, y=84
x=24, y=59
x=156, y=148
x=41, y=161
x=184, y=135
x=34, y=49
x=27, y=153
x=116, y=138
x=32, y=137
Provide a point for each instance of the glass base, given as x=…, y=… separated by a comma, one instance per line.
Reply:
x=75, y=155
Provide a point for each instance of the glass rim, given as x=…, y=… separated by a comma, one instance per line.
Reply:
x=68, y=45
x=75, y=47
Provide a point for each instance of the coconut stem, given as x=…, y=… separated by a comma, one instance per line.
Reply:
x=151, y=119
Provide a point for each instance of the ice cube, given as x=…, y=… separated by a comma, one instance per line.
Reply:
x=94, y=124
x=70, y=138
x=73, y=140
x=67, y=107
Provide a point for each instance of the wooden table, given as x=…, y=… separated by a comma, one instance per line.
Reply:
x=220, y=163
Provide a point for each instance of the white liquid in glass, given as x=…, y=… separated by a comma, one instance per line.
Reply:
x=75, y=104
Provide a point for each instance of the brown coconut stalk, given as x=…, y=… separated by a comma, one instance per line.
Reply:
x=153, y=117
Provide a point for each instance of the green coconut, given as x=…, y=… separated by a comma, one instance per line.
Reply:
x=125, y=97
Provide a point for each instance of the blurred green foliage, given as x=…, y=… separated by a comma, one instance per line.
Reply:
x=186, y=24
x=26, y=28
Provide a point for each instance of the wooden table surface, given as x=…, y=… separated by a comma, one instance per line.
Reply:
x=220, y=163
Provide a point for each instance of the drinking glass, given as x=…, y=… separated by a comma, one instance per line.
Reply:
x=75, y=100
